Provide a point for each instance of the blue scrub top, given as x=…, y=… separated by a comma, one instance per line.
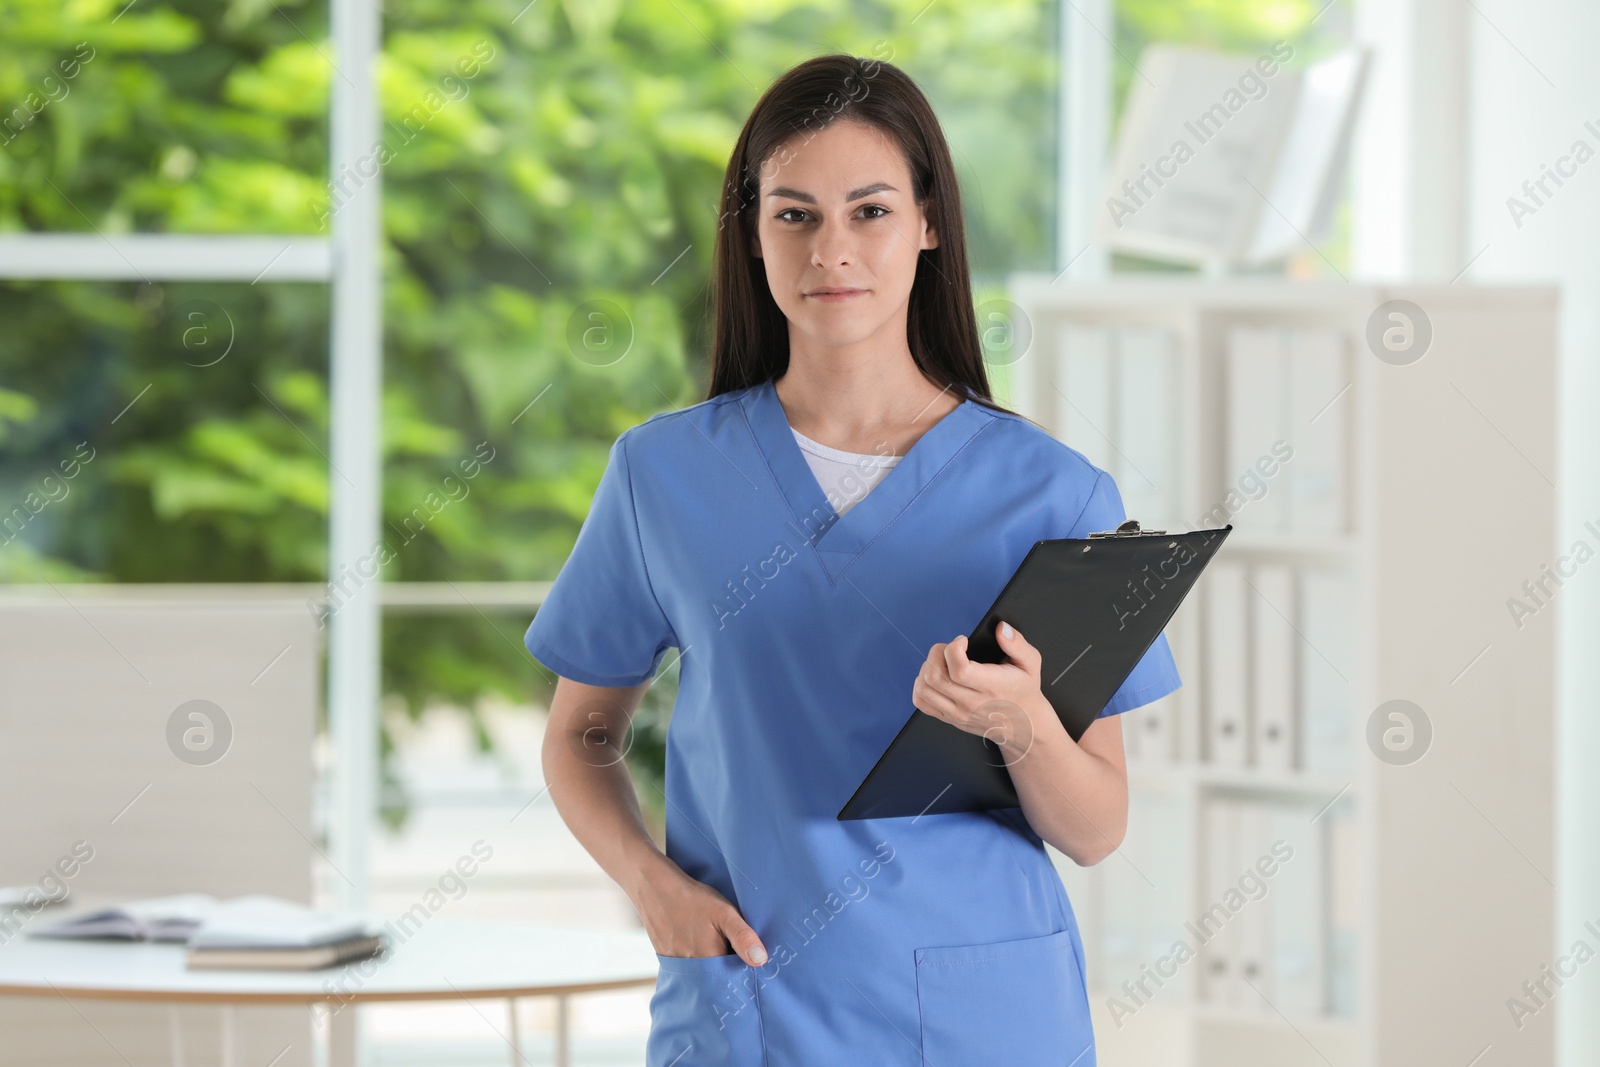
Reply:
x=943, y=940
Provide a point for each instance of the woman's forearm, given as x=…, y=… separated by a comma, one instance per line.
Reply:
x=593, y=791
x=589, y=782
x=1073, y=799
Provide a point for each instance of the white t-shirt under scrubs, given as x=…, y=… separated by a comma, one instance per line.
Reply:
x=846, y=477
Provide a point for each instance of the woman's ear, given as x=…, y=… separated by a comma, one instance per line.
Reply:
x=930, y=236
x=755, y=245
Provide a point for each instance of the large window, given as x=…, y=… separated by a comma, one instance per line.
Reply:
x=192, y=417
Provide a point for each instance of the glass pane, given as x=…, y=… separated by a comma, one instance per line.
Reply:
x=180, y=117
x=991, y=73
x=163, y=433
x=471, y=662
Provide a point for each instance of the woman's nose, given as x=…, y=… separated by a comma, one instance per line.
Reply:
x=833, y=246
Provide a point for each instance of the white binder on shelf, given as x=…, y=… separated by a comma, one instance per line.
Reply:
x=1298, y=910
x=1254, y=985
x=1124, y=896
x=1220, y=954
x=1272, y=658
x=1147, y=428
x=1133, y=734
x=1257, y=417
x=1086, y=396
x=1319, y=406
x=1227, y=660
x=1166, y=861
x=1326, y=660
x=1343, y=914
x=1153, y=730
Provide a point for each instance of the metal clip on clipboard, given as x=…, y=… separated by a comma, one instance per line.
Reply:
x=1129, y=529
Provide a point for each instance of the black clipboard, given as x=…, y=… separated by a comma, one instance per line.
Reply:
x=1092, y=607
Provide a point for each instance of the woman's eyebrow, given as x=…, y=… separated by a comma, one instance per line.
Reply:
x=855, y=194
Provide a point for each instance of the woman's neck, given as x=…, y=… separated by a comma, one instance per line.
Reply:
x=856, y=405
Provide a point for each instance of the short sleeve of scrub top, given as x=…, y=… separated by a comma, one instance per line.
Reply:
x=600, y=624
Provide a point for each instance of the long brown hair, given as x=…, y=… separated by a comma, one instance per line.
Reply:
x=750, y=335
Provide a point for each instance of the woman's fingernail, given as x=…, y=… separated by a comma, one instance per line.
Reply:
x=1005, y=628
x=758, y=955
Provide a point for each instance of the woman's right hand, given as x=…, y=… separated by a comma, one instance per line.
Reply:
x=688, y=918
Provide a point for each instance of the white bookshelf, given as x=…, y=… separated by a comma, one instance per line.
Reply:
x=1431, y=883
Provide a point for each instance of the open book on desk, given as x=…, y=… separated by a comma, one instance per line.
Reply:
x=171, y=918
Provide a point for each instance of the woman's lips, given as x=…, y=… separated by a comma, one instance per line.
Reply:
x=834, y=296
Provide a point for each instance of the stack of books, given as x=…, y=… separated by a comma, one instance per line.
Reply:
x=264, y=933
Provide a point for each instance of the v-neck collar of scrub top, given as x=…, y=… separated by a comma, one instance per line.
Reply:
x=839, y=540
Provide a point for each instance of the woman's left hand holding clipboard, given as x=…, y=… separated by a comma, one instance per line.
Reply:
x=1073, y=793
x=1000, y=701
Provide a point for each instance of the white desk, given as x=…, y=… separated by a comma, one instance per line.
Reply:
x=440, y=960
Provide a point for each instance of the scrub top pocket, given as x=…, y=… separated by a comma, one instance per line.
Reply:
x=704, y=1011
x=1021, y=1003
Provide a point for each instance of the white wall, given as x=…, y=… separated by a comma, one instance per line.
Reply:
x=1534, y=83
x=1469, y=101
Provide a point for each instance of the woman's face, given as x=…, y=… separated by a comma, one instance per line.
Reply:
x=839, y=234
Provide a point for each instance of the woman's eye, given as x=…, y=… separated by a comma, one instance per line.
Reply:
x=780, y=216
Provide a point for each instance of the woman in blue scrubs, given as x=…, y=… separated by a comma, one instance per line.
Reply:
x=811, y=619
